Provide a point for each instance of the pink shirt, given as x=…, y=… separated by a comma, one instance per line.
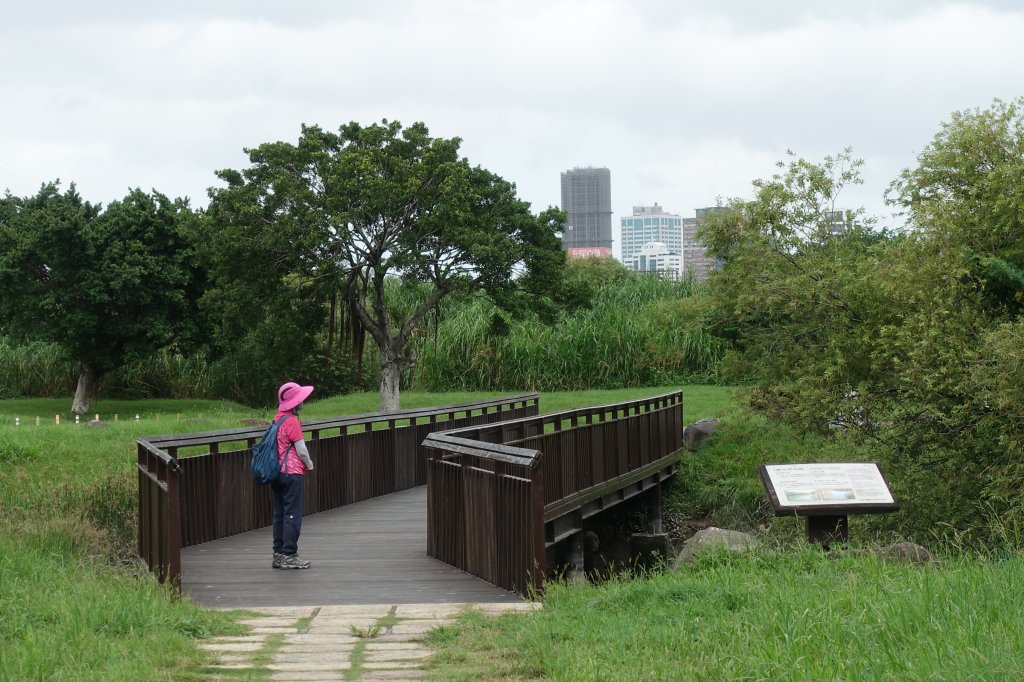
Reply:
x=290, y=431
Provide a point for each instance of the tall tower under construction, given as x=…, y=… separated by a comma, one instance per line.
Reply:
x=587, y=202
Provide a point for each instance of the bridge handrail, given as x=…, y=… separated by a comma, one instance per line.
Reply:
x=495, y=503
x=559, y=419
x=315, y=425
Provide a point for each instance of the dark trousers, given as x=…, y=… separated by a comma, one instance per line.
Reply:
x=287, y=490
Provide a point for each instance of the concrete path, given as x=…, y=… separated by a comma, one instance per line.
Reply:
x=347, y=642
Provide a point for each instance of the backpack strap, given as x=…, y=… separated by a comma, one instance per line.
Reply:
x=281, y=459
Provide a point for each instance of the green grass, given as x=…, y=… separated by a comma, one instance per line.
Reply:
x=793, y=614
x=64, y=616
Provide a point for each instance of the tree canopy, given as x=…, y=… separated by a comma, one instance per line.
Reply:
x=337, y=214
x=107, y=284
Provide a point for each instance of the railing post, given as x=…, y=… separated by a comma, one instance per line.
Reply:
x=174, y=525
x=537, y=517
x=143, y=496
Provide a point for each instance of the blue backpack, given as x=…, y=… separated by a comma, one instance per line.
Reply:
x=265, y=463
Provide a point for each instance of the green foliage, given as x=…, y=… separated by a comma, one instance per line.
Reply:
x=72, y=601
x=905, y=340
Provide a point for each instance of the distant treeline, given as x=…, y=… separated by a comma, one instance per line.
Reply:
x=637, y=330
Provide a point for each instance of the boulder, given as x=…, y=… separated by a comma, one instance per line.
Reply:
x=96, y=424
x=732, y=540
x=695, y=433
x=905, y=552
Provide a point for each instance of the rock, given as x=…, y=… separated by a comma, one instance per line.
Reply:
x=96, y=424
x=732, y=540
x=695, y=433
x=905, y=552
x=249, y=421
x=649, y=551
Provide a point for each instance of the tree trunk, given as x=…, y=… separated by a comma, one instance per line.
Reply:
x=87, y=381
x=330, y=324
x=390, y=375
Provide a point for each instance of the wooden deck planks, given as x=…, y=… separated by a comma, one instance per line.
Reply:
x=371, y=552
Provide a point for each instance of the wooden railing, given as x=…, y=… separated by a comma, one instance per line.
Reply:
x=499, y=494
x=197, y=487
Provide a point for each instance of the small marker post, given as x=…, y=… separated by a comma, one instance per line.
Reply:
x=76, y=420
x=136, y=417
x=57, y=417
x=37, y=420
x=115, y=416
x=17, y=421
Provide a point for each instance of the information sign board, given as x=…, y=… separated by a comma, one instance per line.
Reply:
x=827, y=489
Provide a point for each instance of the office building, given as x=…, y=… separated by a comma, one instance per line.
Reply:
x=650, y=224
x=587, y=202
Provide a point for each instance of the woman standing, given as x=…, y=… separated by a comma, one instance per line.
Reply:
x=293, y=460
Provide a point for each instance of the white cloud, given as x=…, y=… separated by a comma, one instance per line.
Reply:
x=683, y=101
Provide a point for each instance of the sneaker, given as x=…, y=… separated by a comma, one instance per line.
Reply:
x=276, y=563
x=294, y=561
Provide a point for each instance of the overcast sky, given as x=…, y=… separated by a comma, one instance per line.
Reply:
x=683, y=101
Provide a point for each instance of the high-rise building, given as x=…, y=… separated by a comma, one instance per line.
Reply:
x=650, y=224
x=587, y=202
x=696, y=259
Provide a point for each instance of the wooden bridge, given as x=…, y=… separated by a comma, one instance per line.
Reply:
x=487, y=488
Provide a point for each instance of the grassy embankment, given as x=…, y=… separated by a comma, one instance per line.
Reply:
x=778, y=614
x=71, y=604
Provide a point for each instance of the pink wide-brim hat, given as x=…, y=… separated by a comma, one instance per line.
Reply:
x=291, y=394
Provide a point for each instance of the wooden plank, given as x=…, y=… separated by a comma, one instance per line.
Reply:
x=373, y=552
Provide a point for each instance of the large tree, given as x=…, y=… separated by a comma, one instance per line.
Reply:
x=108, y=285
x=344, y=212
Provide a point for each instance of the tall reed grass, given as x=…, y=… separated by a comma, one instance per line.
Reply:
x=633, y=335
x=35, y=368
x=38, y=369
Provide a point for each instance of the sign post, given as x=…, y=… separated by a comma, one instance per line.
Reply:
x=826, y=494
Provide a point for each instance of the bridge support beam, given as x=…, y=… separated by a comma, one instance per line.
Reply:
x=654, y=510
x=576, y=572
x=651, y=550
